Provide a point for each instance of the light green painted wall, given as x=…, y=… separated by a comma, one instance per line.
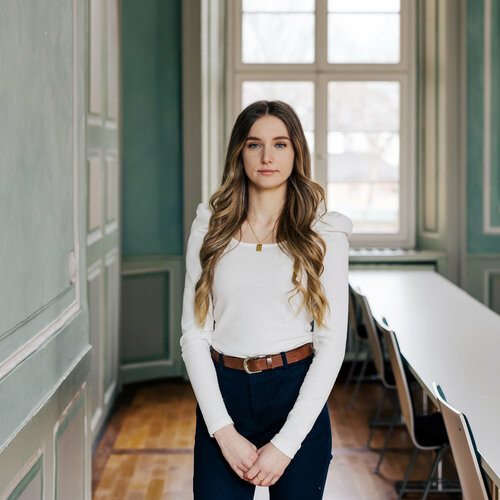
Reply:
x=152, y=128
x=477, y=241
x=473, y=255
x=483, y=249
x=36, y=191
x=42, y=202
x=103, y=154
x=495, y=117
x=152, y=241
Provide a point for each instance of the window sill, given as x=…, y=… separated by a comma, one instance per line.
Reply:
x=394, y=255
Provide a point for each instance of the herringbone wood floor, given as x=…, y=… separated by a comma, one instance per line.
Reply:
x=146, y=450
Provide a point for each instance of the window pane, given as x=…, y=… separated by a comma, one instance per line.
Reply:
x=367, y=106
x=363, y=6
x=300, y=95
x=363, y=153
x=278, y=5
x=277, y=38
x=363, y=37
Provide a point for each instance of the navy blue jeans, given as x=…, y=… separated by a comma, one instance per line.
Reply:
x=259, y=404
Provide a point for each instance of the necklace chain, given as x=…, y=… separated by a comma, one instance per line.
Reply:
x=259, y=244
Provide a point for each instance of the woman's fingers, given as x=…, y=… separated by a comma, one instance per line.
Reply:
x=251, y=475
x=260, y=478
x=267, y=481
x=238, y=472
x=269, y=466
x=275, y=478
x=253, y=471
x=257, y=480
x=239, y=452
x=247, y=462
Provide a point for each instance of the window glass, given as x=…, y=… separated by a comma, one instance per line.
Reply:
x=277, y=32
x=363, y=153
x=377, y=21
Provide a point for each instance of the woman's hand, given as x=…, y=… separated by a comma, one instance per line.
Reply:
x=269, y=467
x=239, y=452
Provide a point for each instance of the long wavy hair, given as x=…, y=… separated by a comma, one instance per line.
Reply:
x=295, y=235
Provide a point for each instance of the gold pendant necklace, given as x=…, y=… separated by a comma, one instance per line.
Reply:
x=259, y=244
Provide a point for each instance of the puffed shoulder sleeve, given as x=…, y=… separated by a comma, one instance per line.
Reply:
x=195, y=340
x=333, y=222
x=329, y=340
x=200, y=223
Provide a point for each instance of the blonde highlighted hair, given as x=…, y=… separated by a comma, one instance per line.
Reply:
x=295, y=234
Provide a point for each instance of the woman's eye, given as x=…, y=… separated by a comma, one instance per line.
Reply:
x=279, y=145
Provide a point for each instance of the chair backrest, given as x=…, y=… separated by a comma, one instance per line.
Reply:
x=373, y=338
x=404, y=394
x=463, y=449
x=353, y=322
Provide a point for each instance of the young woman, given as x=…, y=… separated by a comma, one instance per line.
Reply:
x=264, y=319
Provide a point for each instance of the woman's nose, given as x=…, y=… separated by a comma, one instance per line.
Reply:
x=266, y=155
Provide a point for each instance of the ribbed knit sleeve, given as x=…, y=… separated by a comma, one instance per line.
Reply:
x=195, y=340
x=329, y=341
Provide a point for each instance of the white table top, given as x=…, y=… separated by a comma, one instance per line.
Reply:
x=449, y=337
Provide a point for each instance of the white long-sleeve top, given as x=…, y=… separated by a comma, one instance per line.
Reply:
x=249, y=315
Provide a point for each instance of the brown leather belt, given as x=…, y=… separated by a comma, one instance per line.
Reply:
x=255, y=364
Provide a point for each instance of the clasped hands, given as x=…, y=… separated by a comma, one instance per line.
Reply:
x=262, y=467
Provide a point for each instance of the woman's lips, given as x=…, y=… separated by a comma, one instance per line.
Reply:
x=267, y=172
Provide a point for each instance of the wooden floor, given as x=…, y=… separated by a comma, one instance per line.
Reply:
x=146, y=451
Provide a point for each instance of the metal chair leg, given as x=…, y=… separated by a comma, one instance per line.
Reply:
x=407, y=475
x=353, y=365
x=439, y=455
x=358, y=383
x=386, y=442
x=377, y=415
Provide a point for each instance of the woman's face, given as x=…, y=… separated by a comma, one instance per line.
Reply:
x=268, y=153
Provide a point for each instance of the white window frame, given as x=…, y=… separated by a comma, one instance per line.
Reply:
x=320, y=73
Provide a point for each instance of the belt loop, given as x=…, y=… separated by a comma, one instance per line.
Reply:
x=221, y=362
x=283, y=357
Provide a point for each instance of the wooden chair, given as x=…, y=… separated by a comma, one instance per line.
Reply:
x=464, y=450
x=427, y=432
x=362, y=346
x=385, y=375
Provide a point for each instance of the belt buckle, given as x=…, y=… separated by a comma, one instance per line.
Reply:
x=245, y=365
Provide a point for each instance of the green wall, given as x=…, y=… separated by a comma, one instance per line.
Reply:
x=483, y=246
x=152, y=215
x=44, y=325
x=477, y=240
x=152, y=128
x=495, y=117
